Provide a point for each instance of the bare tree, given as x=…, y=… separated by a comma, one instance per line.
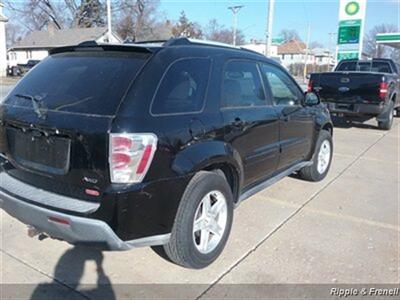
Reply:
x=289, y=34
x=371, y=48
x=184, y=27
x=37, y=14
x=137, y=19
x=216, y=32
x=316, y=44
x=14, y=33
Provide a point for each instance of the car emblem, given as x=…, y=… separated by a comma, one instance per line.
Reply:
x=345, y=80
x=90, y=180
x=344, y=89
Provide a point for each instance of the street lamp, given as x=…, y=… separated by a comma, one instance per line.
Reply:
x=235, y=11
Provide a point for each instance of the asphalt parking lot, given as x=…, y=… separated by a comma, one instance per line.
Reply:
x=342, y=230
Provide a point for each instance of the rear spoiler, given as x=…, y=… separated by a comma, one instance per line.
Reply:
x=94, y=46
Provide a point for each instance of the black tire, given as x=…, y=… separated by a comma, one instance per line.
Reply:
x=387, y=123
x=310, y=173
x=397, y=112
x=182, y=249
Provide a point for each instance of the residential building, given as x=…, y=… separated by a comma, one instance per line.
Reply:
x=36, y=45
x=323, y=57
x=3, y=51
x=294, y=52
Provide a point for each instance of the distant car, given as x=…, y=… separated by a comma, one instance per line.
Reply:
x=361, y=88
x=123, y=146
x=22, y=69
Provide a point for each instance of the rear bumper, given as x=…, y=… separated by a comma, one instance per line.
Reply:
x=357, y=109
x=71, y=228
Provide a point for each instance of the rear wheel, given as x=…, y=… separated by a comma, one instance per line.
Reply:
x=321, y=159
x=203, y=221
x=386, y=124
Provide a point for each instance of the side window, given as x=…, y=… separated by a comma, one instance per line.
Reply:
x=381, y=67
x=283, y=89
x=242, y=85
x=183, y=87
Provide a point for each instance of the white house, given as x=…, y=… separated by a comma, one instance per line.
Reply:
x=3, y=51
x=294, y=52
x=323, y=57
x=36, y=45
x=260, y=48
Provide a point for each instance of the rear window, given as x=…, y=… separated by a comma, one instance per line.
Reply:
x=81, y=82
x=183, y=87
x=381, y=67
x=347, y=66
x=375, y=66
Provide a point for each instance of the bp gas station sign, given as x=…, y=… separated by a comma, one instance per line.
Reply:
x=351, y=28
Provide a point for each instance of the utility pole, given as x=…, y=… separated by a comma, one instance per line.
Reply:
x=307, y=50
x=332, y=46
x=109, y=26
x=235, y=11
x=270, y=20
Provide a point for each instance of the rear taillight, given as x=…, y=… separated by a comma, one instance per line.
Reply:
x=131, y=156
x=310, y=86
x=383, y=90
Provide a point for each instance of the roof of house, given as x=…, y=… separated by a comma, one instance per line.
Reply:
x=292, y=47
x=59, y=38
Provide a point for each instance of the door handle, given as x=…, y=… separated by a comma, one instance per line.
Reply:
x=238, y=122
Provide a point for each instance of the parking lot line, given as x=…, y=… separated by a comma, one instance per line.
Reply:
x=337, y=216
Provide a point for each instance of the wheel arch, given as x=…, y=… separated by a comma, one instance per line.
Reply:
x=211, y=156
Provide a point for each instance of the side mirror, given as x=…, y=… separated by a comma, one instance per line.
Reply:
x=311, y=99
x=308, y=76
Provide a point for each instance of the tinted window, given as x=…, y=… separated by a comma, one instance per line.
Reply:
x=364, y=67
x=381, y=67
x=183, y=87
x=242, y=86
x=89, y=82
x=284, y=90
x=347, y=66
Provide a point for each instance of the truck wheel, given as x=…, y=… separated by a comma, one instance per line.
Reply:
x=203, y=221
x=321, y=159
x=386, y=124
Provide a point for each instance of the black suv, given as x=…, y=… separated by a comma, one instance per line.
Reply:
x=122, y=146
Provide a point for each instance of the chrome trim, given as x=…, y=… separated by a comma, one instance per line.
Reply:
x=79, y=230
x=270, y=181
x=19, y=189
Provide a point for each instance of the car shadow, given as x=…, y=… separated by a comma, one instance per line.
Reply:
x=71, y=265
x=344, y=123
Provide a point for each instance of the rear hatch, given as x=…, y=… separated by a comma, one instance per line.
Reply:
x=348, y=87
x=55, y=123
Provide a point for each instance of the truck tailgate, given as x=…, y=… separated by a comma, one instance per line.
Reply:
x=348, y=87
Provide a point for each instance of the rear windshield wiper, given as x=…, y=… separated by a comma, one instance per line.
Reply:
x=36, y=102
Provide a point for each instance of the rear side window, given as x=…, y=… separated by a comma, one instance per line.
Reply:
x=347, y=66
x=80, y=82
x=183, y=87
x=381, y=67
x=242, y=86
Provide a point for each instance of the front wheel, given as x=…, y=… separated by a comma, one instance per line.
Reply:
x=322, y=159
x=203, y=221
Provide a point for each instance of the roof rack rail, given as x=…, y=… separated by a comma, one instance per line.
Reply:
x=188, y=41
x=88, y=43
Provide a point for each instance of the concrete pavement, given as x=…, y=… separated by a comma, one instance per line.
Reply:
x=344, y=229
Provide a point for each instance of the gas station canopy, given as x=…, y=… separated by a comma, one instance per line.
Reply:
x=389, y=39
